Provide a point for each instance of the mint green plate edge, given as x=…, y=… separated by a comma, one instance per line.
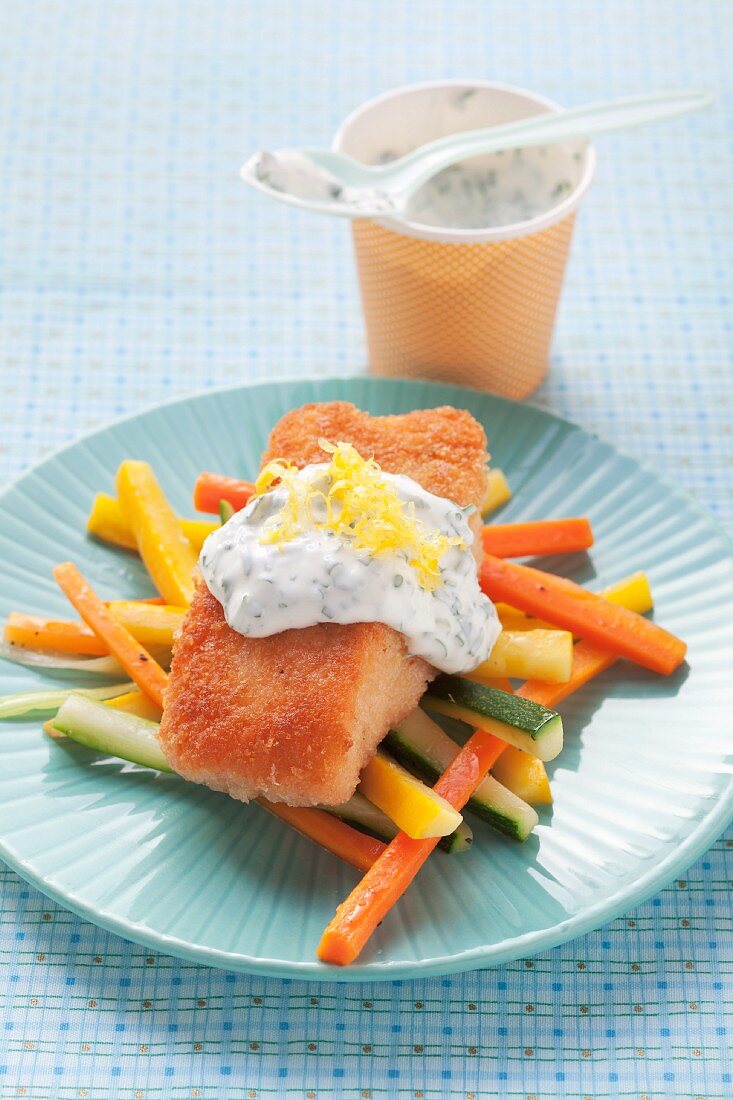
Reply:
x=708, y=828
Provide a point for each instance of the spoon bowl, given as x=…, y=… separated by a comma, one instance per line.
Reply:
x=323, y=181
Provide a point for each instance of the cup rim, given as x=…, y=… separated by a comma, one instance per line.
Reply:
x=476, y=236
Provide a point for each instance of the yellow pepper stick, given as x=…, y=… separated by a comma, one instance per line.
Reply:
x=168, y=555
x=107, y=521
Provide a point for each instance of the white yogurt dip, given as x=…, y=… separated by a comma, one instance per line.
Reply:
x=497, y=189
x=319, y=576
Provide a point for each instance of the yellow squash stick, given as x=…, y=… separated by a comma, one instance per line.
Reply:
x=168, y=555
x=523, y=774
x=497, y=491
x=529, y=655
x=414, y=807
x=151, y=624
x=107, y=521
x=135, y=702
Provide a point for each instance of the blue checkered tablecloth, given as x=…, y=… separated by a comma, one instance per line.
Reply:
x=133, y=266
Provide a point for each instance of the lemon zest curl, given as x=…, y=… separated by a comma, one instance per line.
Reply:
x=359, y=506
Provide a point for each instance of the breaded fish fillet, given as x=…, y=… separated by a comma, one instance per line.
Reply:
x=296, y=716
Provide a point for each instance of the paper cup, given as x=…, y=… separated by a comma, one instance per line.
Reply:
x=470, y=306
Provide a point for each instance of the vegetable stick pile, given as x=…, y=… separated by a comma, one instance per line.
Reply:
x=556, y=636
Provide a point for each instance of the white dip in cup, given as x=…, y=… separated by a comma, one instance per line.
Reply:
x=472, y=302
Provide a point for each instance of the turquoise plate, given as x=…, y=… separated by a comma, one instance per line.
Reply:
x=642, y=787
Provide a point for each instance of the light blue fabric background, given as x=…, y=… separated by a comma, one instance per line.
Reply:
x=134, y=266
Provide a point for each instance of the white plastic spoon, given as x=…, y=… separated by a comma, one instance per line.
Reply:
x=333, y=183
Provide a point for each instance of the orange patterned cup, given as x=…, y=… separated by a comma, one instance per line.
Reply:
x=470, y=306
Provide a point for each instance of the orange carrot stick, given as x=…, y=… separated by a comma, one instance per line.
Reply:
x=37, y=632
x=212, y=488
x=136, y=661
x=566, y=604
x=547, y=536
x=335, y=836
x=589, y=660
x=386, y=881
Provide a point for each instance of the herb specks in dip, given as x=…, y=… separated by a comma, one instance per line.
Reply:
x=498, y=189
x=302, y=553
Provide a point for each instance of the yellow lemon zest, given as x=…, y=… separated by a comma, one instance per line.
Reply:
x=357, y=504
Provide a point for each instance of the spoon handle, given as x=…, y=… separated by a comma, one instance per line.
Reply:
x=576, y=123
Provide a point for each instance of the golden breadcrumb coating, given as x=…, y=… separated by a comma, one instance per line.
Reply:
x=296, y=716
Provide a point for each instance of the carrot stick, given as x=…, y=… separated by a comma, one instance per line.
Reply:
x=212, y=488
x=136, y=661
x=335, y=836
x=37, y=632
x=566, y=604
x=386, y=881
x=547, y=536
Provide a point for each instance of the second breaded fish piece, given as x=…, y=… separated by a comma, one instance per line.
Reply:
x=296, y=716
